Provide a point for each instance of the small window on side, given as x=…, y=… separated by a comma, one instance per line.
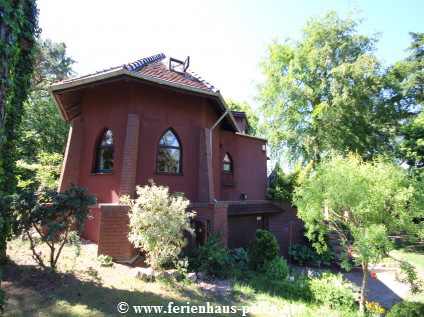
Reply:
x=227, y=164
x=105, y=153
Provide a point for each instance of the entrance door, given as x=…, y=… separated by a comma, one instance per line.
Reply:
x=241, y=230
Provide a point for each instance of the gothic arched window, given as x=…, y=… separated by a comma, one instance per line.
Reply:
x=227, y=164
x=169, y=153
x=105, y=153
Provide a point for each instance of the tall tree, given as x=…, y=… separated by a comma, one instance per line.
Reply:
x=42, y=129
x=252, y=117
x=369, y=199
x=51, y=64
x=43, y=133
x=329, y=92
x=18, y=27
x=414, y=68
x=413, y=144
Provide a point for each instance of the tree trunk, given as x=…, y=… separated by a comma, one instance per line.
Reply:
x=3, y=247
x=363, y=286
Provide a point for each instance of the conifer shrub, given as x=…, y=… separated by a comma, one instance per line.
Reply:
x=264, y=248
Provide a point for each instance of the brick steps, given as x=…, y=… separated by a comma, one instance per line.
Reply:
x=341, y=251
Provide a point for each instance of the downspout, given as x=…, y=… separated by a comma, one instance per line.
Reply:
x=213, y=127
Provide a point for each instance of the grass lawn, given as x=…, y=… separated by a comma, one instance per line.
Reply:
x=413, y=253
x=80, y=287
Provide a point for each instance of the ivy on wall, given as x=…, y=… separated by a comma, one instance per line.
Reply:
x=18, y=31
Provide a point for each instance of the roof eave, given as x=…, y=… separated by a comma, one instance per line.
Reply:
x=75, y=84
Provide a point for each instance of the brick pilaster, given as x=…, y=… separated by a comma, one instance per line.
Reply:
x=129, y=165
x=206, y=190
x=220, y=222
x=71, y=161
x=113, y=234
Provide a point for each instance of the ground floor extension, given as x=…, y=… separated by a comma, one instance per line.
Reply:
x=236, y=222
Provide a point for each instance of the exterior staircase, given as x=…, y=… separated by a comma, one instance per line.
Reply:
x=341, y=251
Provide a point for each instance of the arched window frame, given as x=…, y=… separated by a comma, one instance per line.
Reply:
x=229, y=162
x=162, y=146
x=100, y=147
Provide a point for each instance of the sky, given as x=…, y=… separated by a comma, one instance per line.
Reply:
x=225, y=39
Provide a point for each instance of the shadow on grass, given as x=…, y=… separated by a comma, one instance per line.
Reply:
x=407, y=246
x=32, y=292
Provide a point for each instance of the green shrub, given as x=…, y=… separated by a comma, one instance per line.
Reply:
x=296, y=289
x=157, y=222
x=193, y=257
x=332, y=290
x=409, y=309
x=52, y=214
x=264, y=249
x=105, y=260
x=303, y=253
x=276, y=269
x=239, y=259
x=282, y=185
x=213, y=258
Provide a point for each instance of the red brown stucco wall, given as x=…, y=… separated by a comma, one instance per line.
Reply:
x=249, y=161
x=158, y=109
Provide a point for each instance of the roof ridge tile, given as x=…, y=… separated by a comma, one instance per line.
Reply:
x=134, y=66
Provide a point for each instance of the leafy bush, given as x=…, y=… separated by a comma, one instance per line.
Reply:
x=52, y=214
x=193, y=258
x=105, y=260
x=276, y=269
x=239, y=259
x=264, y=249
x=213, y=258
x=41, y=175
x=295, y=289
x=304, y=253
x=410, y=309
x=332, y=290
x=157, y=222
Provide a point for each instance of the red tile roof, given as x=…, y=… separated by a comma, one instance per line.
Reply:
x=155, y=66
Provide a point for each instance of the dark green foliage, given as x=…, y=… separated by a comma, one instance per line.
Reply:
x=19, y=26
x=276, y=269
x=296, y=289
x=281, y=186
x=239, y=259
x=20, y=22
x=409, y=309
x=51, y=64
x=213, y=259
x=42, y=129
x=51, y=214
x=412, y=146
x=251, y=115
x=264, y=249
x=413, y=68
x=305, y=254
